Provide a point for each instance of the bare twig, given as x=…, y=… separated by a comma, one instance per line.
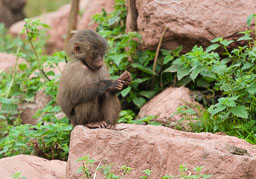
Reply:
x=157, y=53
x=94, y=176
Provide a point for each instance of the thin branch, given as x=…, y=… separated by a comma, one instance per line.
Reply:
x=72, y=20
x=157, y=53
x=94, y=176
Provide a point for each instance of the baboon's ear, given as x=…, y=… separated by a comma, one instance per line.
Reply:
x=77, y=48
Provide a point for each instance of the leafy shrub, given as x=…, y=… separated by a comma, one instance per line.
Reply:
x=124, y=55
x=89, y=170
x=50, y=137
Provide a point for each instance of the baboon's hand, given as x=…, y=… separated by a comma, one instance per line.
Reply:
x=126, y=78
x=116, y=85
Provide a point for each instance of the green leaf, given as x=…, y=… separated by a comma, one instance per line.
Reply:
x=184, y=71
x=117, y=58
x=5, y=100
x=141, y=80
x=183, y=81
x=142, y=68
x=226, y=42
x=168, y=58
x=218, y=39
x=176, y=52
x=201, y=82
x=216, y=109
x=113, y=20
x=147, y=172
x=208, y=74
x=246, y=37
x=139, y=101
x=22, y=66
x=148, y=94
x=125, y=91
x=212, y=47
x=196, y=71
x=251, y=89
x=172, y=68
x=219, y=69
x=50, y=73
x=249, y=19
x=228, y=101
x=10, y=108
x=239, y=111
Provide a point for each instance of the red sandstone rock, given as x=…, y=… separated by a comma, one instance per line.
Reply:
x=32, y=167
x=90, y=9
x=11, y=11
x=8, y=61
x=189, y=22
x=161, y=150
x=166, y=103
x=58, y=21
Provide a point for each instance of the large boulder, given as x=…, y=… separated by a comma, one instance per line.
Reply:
x=32, y=167
x=58, y=21
x=189, y=22
x=11, y=11
x=8, y=61
x=165, y=104
x=161, y=150
x=92, y=8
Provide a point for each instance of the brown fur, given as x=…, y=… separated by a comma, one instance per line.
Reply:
x=86, y=93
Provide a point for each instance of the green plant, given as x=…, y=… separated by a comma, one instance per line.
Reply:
x=147, y=172
x=17, y=175
x=123, y=54
x=20, y=86
x=186, y=174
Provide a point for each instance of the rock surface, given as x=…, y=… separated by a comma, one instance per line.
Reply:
x=161, y=150
x=32, y=167
x=8, y=61
x=58, y=21
x=28, y=110
x=90, y=9
x=11, y=11
x=189, y=22
x=166, y=103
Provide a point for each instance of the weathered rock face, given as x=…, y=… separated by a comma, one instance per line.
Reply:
x=8, y=61
x=189, y=22
x=28, y=110
x=32, y=167
x=161, y=150
x=166, y=103
x=90, y=9
x=58, y=21
x=11, y=11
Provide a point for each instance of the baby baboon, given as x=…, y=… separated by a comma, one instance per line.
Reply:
x=86, y=93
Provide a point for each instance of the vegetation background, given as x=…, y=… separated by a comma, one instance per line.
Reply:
x=35, y=8
x=225, y=78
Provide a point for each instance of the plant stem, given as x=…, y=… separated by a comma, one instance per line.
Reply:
x=41, y=71
x=14, y=73
x=157, y=53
